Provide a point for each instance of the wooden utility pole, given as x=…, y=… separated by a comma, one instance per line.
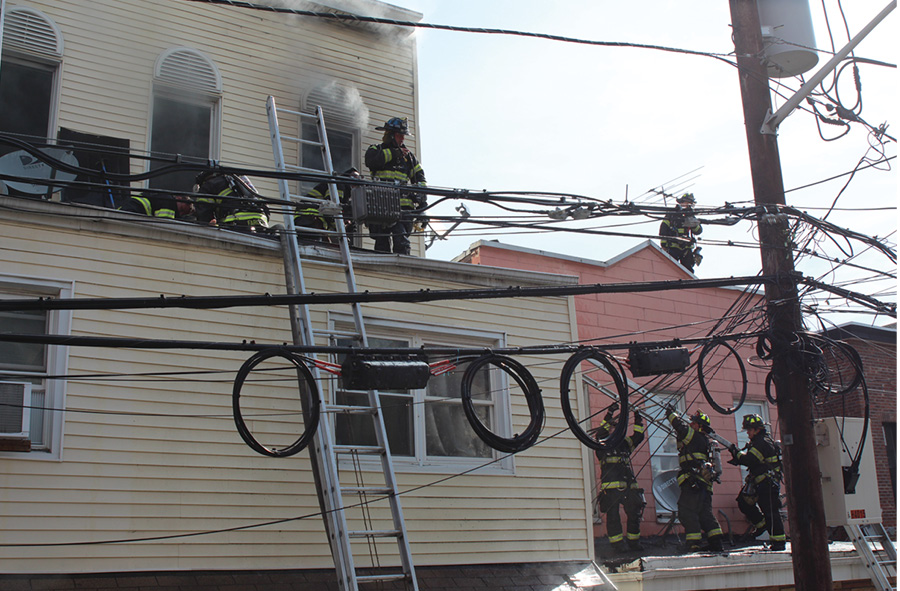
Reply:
x=806, y=511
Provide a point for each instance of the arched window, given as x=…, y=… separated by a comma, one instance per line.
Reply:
x=29, y=75
x=185, y=116
x=345, y=113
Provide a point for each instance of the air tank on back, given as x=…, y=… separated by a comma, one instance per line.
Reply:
x=787, y=32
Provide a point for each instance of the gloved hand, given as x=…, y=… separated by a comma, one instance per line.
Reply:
x=638, y=419
x=611, y=411
x=670, y=410
x=733, y=450
x=733, y=462
x=399, y=154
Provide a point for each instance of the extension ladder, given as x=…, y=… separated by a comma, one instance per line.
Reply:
x=881, y=564
x=325, y=453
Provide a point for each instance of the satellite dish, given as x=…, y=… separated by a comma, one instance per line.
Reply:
x=666, y=490
x=23, y=165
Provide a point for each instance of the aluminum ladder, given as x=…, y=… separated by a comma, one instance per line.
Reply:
x=881, y=564
x=334, y=497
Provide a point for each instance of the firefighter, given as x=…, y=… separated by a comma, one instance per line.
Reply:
x=230, y=201
x=618, y=486
x=695, y=478
x=683, y=225
x=759, y=499
x=309, y=215
x=160, y=205
x=391, y=162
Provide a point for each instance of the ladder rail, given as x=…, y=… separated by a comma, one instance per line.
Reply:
x=324, y=445
x=301, y=329
x=869, y=556
x=374, y=398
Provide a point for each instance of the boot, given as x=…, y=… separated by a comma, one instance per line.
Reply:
x=635, y=545
x=715, y=544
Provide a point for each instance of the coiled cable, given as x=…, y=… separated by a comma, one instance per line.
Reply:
x=529, y=386
x=730, y=352
x=309, y=401
x=614, y=369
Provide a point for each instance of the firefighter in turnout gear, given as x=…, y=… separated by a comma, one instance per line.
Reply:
x=391, y=162
x=759, y=498
x=679, y=230
x=230, y=201
x=695, y=477
x=309, y=215
x=160, y=205
x=618, y=485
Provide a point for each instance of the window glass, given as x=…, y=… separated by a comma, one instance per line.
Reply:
x=396, y=408
x=447, y=430
x=339, y=141
x=25, y=97
x=427, y=426
x=29, y=362
x=182, y=127
x=748, y=408
x=661, y=441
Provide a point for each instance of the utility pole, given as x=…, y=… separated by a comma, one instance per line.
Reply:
x=806, y=509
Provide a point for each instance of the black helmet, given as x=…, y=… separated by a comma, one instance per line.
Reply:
x=687, y=198
x=395, y=124
x=753, y=421
x=701, y=419
x=350, y=171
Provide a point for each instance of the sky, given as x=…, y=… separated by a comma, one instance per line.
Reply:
x=505, y=113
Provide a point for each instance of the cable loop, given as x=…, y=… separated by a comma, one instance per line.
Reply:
x=529, y=386
x=309, y=402
x=731, y=351
x=614, y=369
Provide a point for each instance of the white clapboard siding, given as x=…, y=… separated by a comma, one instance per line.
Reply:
x=147, y=458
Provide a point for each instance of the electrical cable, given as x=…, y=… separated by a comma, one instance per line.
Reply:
x=309, y=399
x=614, y=369
x=530, y=389
x=704, y=353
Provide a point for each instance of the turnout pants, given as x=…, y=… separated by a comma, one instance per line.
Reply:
x=762, y=508
x=632, y=501
x=695, y=513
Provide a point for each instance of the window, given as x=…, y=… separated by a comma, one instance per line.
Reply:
x=184, y=121
x=345, y=113
x=663, y=449
x=26, y=362
x=890, y=439
x=29, y=75
x=428, y=428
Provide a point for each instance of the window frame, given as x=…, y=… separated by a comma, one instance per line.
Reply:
x=425, y=334
x=40, y=58
x=57, y=362
x=210, y=96
x=662, y=516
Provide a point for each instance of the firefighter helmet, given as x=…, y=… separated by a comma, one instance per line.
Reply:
x=686, y=199
x=701, y=419
x=752, y=421
x=396, y=125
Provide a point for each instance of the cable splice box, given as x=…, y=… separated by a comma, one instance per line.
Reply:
x=375, y=205
x=644, y=361
x=384, y=372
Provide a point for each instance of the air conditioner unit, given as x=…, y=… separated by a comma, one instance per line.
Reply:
x=15, y=409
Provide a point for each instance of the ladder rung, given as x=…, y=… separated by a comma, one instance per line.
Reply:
x=374, y=533
x=362, y=449
x=337, y=333
x=299, y=113
x=378, y=578
x=372, y=490
x=347, y=409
